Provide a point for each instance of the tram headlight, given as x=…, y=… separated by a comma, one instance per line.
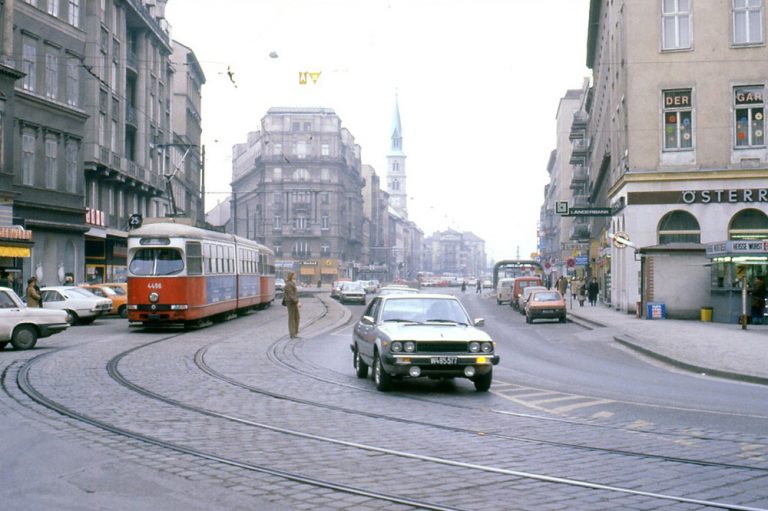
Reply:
x=154, y=297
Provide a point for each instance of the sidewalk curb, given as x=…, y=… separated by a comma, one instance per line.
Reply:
x=625, y=340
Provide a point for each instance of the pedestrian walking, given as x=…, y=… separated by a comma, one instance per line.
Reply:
x=463, y=285
x=479, y=288
x=33, y=293
x=582, y=292
x=562, y=284
x=574, y=288
x=592, y=290
x=291, y=299
x=758, y=300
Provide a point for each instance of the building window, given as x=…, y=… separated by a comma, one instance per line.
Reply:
x=676, y=24
x=301, y=175
x=102, y=129
x=324, y=223
x=307, y=126
x=325, y=197
x=28, y=156
x=325, y=175
x=748, y=224
x=74, y=13
x=749, y=107
x=295, y=126
x=113, y=140
x=678, y=120
x=277, y=222
x=51, y=75
x=72, y=166
x=395, y=166
x=325, y=150
x=278, y=173
x=73, y=81
x=53, y=7
x=747, y=22
x=29, y=64
x=679, y=227
x=277, y=149
x=301, y=248
x=300, y=149
x=51, y=150
x=325, y=249
x=301, y=223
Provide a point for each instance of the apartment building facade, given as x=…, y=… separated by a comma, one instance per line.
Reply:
x=676, y=147
x=297, y=188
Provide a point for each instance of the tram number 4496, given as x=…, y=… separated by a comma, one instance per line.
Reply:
x=155, y=285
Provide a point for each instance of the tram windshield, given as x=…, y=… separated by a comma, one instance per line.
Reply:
x=156, y=261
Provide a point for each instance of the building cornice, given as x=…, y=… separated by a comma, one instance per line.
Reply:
x=662, y=177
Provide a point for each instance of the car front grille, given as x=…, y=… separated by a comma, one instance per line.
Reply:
x=442, y=347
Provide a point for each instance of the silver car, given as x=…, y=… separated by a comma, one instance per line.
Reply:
x=81, y=305
x=352, y=292
x=409, y=336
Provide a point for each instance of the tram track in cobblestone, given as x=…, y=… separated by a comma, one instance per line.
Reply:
x=113, y=370
x=289, y=344
x=203, y=366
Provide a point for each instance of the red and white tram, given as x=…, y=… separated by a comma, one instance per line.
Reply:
x=179, y=274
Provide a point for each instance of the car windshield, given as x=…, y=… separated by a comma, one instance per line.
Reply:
x=79, y=293
x=546, y=297
x=424, y=310
x=352, y=286
x=156, y=261
x=118, y=290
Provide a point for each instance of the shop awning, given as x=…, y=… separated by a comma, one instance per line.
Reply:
x=6, y=251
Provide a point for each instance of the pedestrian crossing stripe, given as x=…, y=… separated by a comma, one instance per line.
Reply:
x=539, y=399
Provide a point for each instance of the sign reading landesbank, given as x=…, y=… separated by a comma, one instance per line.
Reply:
x=747, y=195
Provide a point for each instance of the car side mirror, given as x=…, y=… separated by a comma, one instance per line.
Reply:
x=367, y=320
x=479, y=322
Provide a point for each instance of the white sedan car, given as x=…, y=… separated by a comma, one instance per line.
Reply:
x=81, y=305
x=22, y=326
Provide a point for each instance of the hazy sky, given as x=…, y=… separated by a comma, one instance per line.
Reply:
x=479, y=83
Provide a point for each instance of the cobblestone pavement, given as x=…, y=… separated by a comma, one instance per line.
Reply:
x=278, y=403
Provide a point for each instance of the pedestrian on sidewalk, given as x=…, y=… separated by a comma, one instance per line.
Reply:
x=479, y=288
x=582, y=287
x=758, y=300
x=291, y=297
x=562, y=285
x=592, y=290
x=33, y=293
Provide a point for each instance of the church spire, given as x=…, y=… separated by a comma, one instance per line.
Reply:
x=396, y=178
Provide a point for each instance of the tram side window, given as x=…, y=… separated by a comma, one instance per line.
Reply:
x=219, y=258
x=207, y=258
x=194, y=258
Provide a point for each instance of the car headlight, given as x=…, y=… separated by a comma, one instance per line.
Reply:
x=474, y=347
x=487, y=347
x=410, y=347
x=397, y=347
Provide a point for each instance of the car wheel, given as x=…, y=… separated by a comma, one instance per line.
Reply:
x=3, y=344
x=24, y=337
x=123, y=312
x=380, y=376
x=483, y=381
x=361, y=368
x=87, y=321
x=498, y=302
x=562, y=319
x=528, y=319
x=71, y=318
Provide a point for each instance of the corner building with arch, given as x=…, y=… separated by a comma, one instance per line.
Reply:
x=676, y=146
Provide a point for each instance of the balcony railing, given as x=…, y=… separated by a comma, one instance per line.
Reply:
x=579, y=177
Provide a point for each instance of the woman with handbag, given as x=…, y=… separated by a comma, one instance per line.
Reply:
x=291, y=300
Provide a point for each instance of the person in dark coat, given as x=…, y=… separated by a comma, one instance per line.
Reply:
x=592, y=290
x=758, y=300
x=291, y=297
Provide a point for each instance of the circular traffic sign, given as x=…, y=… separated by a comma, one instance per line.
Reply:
x=620, y=239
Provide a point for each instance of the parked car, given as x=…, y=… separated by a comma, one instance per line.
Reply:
x=504, y=291
x=548, y=304
x=520, y=284
x=410, y=336
x=81, y=305
x=120, y=288
x=396, y=289
x=371, y=286
x=524, y=297
x=279, y=284
x=22, y=326
x=352, y=292
x=119, y=300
